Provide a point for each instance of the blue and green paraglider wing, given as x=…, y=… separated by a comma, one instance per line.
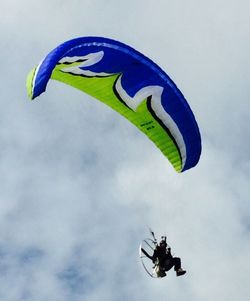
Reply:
x=132, y=85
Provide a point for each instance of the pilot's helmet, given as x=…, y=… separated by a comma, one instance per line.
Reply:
x=163, y=243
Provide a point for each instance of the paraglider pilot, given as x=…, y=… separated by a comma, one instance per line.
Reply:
x=164, y=261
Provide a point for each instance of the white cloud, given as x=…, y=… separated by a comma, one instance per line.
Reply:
x=74, y=206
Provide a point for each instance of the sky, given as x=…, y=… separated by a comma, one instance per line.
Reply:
x=80, y=185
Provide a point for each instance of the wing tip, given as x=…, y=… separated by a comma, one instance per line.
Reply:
x=30, y=83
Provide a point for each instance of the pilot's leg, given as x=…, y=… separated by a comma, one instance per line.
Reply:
x=177, y=266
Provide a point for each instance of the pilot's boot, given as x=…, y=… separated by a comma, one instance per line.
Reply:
x=180, y=272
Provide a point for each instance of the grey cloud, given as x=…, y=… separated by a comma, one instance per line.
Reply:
x=80, y=185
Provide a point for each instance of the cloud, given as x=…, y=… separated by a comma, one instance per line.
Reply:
x=74, y=206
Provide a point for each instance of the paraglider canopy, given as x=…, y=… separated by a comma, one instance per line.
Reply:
x=132, y=85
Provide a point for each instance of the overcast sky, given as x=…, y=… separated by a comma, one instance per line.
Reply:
x=79, y=185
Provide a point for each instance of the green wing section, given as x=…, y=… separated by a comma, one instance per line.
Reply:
x=102, y=88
